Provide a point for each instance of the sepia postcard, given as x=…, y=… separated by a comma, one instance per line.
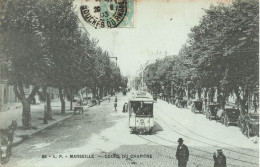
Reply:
x=129, y=83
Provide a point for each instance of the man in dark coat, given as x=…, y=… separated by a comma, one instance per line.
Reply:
x=182, y=154
x=220, y=159
x=115, y=103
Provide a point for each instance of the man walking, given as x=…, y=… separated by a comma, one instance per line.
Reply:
x=220, y=159
x=115, y=103
x=182, y=153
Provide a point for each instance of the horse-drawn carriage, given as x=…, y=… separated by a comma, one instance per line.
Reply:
x=78, y=104
x=181, y=103
x=211, y=111
x=249, y=124
x=196, y=106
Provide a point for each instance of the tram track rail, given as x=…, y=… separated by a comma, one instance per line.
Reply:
x=197, y=156
x=216, y=146
x=207, y=144
x=207, y=137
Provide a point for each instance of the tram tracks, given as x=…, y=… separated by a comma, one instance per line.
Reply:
x=203, y=142
x=169, y=147
x=235, y=159
x=227, y=144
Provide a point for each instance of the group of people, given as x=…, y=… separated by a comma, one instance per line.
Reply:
x=182, y=155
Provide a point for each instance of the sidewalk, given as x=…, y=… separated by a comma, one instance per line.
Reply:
x=37, y=112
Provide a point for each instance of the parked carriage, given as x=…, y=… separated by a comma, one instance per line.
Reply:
x=140, y=109
x=78, y=104
x=249, y=124
x=229, y=116
x=211, y=111
x=181, y=103
x=196, y=106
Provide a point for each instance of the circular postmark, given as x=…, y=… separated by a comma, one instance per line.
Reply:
x=103, y=13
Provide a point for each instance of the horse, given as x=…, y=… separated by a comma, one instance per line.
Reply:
x=7, y=135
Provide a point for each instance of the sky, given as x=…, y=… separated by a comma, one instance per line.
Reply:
x=161, y=28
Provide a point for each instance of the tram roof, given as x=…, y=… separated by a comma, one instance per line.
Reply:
x=141, y=99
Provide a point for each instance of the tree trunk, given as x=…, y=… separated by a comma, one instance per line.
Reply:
x=45, y=114
x=26, y=103
x=62, y=101
x=71, y=99
x=199, y=93
x=93, y=91
x=26, y=115
x=188, y=92
x=48, y=105
x=101, y=92
x=241, y=102
x=211, y=94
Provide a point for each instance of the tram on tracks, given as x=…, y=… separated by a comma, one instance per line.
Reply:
x=140, y=108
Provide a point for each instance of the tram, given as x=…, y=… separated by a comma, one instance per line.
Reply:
x=140, y=108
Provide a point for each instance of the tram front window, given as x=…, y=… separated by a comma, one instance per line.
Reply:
x=141, y=108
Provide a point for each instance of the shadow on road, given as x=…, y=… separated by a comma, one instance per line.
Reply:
x=156, y=128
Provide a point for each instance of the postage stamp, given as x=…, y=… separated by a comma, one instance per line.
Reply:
x=108, y=13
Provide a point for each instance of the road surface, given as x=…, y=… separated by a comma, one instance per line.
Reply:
x=101, y=138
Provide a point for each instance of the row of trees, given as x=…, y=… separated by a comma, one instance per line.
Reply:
x=221, y=52
x=43, y=45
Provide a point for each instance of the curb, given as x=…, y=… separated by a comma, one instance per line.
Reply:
x=20, y=140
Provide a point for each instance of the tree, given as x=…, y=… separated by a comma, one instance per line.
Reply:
x=22, y=52
x=67, y=47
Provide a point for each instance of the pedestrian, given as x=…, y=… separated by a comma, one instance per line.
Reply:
x=220, y=159
x=125, y=108
x=182, y=153
x=98, y=100
x=109, y=99
x=115, y=103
